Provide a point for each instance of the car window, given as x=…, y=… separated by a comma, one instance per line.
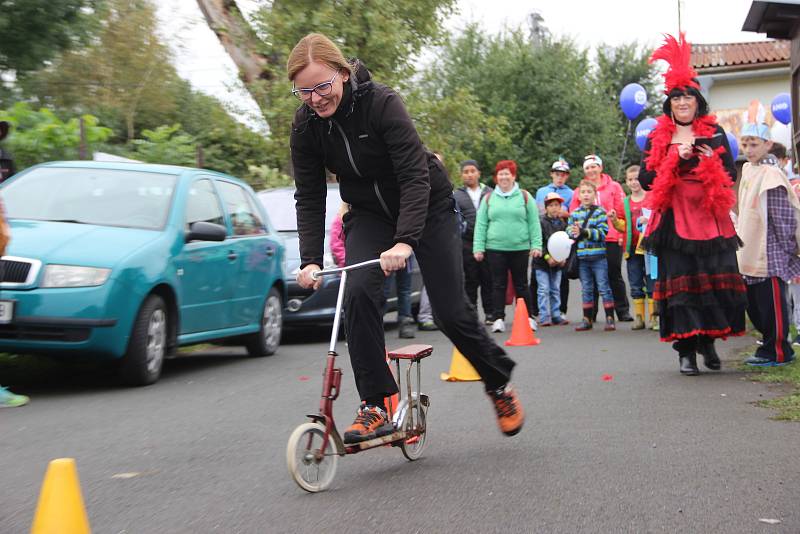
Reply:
x=244, y=215
x=106, y=197
x=280, y=206
x=202, y=204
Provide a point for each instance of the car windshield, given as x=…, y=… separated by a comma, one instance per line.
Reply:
x=105, y=197
x=279, y=204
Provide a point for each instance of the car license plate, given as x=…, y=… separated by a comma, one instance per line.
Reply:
x=6, y=311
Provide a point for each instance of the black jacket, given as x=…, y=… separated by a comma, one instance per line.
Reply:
x=549, y=227
x=372, y=147
x=468, y=210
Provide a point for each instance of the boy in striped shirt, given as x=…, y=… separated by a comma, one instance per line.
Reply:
x=588, y=225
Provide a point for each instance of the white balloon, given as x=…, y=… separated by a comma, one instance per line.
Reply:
x=559, y=245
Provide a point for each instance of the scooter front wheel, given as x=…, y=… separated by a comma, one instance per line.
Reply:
x=311, y=468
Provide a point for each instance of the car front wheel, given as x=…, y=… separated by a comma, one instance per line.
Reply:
x=266, y=341
x=148, y=344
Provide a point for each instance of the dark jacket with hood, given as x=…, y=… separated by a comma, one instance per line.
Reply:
x=372, y=147
x=467, y=208
x=549, y=227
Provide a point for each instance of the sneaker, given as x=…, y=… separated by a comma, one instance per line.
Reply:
x=560, y=321
x=796, y=341
x=488, y=321
x=759, y=342
x=546, y=323
x=757, y=361
x=406, y=330
x=12, y=400
x=532, y=322
x=610, y=325
x=371, y=422
x=584, y=325
x=428, y=326
x=510, y=415
x=499, y=326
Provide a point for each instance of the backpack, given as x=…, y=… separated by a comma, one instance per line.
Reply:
x=524, y=195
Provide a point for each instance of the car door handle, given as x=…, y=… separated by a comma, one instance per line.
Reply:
x=232, y=255
x=269, y=251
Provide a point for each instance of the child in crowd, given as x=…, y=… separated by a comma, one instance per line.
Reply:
x=588, y=224
x=547, y=271
x=641, y=284
x=769, y=226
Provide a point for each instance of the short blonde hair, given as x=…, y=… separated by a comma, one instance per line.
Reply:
x=315, y=47
x=587, y=183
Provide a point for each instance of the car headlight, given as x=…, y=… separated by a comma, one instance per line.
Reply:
x=74, y=276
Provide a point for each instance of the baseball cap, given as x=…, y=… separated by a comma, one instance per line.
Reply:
x=553, y=196
x=560, y=165
x=592, y=159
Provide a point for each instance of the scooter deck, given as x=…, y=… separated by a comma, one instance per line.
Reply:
x=397, y=435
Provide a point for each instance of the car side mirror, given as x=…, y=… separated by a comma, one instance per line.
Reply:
x=206, y=231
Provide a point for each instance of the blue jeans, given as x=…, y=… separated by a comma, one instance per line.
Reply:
x=641, y=283
x=549, y=294
x=594, y=269
x=402, y=279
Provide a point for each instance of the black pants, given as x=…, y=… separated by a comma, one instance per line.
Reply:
x=439, y=257
x=477, y=274
x=500, y=262
x=766, y=307
x=535, y=293
x=614, y=258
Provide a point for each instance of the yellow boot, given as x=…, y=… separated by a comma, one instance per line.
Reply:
x=653, y=315
x=638, y=314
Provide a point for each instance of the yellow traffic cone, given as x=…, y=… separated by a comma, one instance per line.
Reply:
x=60, y=509
x=460, y=369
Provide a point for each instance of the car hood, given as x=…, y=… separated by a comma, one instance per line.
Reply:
x=74, y=243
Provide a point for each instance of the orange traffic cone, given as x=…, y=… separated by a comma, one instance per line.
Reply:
x=460, y=369
x=60, y=508
x=521, y=333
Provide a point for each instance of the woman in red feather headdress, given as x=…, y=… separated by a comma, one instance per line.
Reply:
x=688, y=168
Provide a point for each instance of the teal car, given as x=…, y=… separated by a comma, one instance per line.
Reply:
x=130, y=261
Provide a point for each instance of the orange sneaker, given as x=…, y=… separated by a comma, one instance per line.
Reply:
x=371, y=422
x=510, y=415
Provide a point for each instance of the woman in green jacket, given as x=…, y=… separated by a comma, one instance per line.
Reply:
x=507, y=231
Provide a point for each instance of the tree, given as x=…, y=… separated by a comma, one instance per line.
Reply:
x=124, y=73
x=386, y=34
x=34, y=31
x=165, y=144
x=616, y=68
x=39, y=136
x=543, y=87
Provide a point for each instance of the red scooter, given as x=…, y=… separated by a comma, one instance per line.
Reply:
x=314, y=447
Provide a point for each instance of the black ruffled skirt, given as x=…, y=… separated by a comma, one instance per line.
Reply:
x=699, y=290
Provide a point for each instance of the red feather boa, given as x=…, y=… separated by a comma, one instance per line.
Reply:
x=717, y=182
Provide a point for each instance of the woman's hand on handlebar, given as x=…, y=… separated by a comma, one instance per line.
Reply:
x=304, y=277
x=395, y=258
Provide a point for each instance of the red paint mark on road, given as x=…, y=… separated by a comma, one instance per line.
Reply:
x=608, y=378
x=303, y=378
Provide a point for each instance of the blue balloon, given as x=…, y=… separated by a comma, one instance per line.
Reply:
x=643, y=129
x=632, y=100
x=733, y=144
x=782, y=108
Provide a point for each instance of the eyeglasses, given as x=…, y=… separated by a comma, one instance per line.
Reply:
x=322, y=89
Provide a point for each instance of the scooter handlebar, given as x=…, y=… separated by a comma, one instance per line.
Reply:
x=315, y=275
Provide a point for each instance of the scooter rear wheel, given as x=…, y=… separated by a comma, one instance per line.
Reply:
x=312, y=469
x=412, y=448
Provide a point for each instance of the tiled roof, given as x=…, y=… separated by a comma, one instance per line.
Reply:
x=730, y=56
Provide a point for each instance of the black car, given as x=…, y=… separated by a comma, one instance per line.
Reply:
x=306, y=306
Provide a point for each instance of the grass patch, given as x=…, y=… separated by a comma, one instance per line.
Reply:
x=788, y=407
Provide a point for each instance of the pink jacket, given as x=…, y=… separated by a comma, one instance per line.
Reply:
x=337, y=241
x=609, y=197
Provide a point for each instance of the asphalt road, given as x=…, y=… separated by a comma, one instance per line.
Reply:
x=204, y=449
